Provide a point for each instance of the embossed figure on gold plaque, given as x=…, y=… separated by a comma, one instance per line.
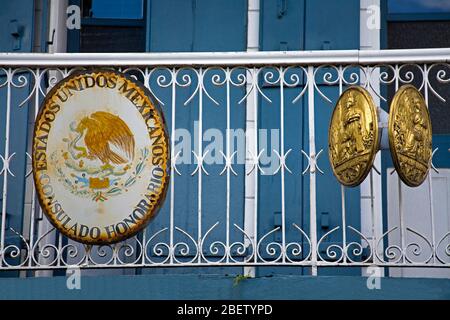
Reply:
x=410, y=135
x=353, y=136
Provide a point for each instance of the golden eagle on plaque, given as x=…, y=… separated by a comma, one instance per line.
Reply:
x=99, y=158
x=104, y=131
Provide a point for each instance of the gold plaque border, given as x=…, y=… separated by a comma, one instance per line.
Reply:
x=395, y=156
x=151, y=213
x=376, y=146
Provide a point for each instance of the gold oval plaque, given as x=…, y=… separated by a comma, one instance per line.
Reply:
x=410, y=135
x=100, y=156
x=353, y=136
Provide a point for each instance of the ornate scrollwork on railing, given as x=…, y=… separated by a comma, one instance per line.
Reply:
x=223, y=242
x=446, y=248
x=301, y=251
x=161, y=250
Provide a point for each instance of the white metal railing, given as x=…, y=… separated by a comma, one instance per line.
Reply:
x=25, y=78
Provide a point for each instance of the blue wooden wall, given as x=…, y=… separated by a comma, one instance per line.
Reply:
x=218, y=25
x=16, y=23
x=200, y=25
x=196, y=287
x=306, y=25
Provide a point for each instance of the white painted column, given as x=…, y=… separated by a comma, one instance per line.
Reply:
x=57, y=37
x=251, y=145
x=57, y=24
x=371, y=208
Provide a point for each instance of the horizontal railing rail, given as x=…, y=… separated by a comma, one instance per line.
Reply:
x=283, y=58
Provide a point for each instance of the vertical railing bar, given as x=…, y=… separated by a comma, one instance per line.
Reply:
x=253, y=44
x=312, y=172
x=256, y=151
x=344, y=225
x=58, y=253
x=373, y=216
x=400, y=200
x=251, y=170
x=172, y=166
x=144, y=247
x=430, y=179
x=200, y=164
x=282, y=164
x=433, y=227
x=144, y=232
x=60, y=239
x=42, y=226
x=33, y=192
x=5, y=165
x=400, y=204
x=227, y=240
x=343, y=209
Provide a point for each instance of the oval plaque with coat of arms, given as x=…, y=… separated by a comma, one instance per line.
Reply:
x=100, y=156
x=353, y=139
x=410, y=135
